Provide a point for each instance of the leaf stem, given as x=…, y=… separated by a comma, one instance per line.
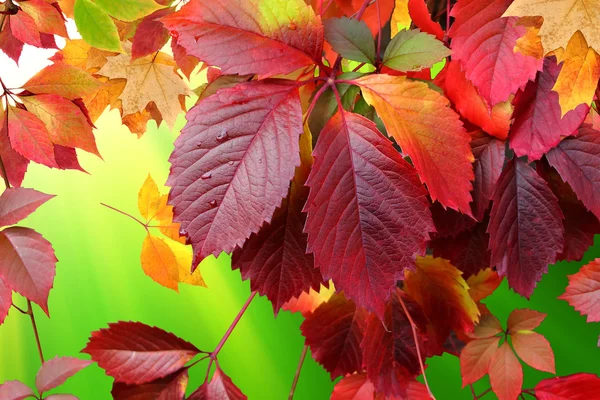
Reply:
x=414, y=331
x=18, y=308
x=446, y=38
x=2, y=167
x=298, y=369
x=128, y=215
x=378, y=34
x=476, y=397
x=35, y=330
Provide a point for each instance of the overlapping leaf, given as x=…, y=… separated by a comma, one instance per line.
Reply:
x=220, y=387
x=56, y=371
x=572, y=387
x=583, y=291
x=170, y=387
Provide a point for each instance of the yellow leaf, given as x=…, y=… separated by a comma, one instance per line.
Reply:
x=165, y=212
x=483, y=284
x=308, y=302
x=149, y=79
x=531, y=43
x=183, y=254
x=159, y=262
x=172, y=232
x=579, y=75
x=74, y=53
x=400, y=17
x=105, y=96
x=562, y=18
x=148, y=199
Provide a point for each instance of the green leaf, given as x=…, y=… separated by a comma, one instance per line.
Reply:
x=350, y=38
x=128, y=10
x=414, y=50
x=96, y=27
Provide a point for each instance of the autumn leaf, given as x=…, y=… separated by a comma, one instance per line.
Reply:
x=220, y=387
x=63, y=80
x=150, y=35
x=95, y=26
x=28, y=264
x=128, y=10
x=354, y=387
x=483, y=284
x=583, y=291
x=526, y=231
x=534, y=350
x=489, y=161
x=488, y=327
x=353, y=164
x=414, y=50
x=5, y=300
x=530, y=44
x=419, y=13
x=17, y=204
x=572, y=387
x=506, y=373
x=307, y=302
x=413, y=115
x=149, y=79
x=149, y=199
x=284, y=35
x=15, y=390
x=400, y=17
x=159, y=262
x=539, y=125
x=334, y=332
x=56, y=371
x=134, y=353
x=170, y=387
x=29, y=136
x=351, y=38
x=255, y=126
x=476, y=357
x=524, y=320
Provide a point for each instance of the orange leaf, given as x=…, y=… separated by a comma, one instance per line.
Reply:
x=159, y=262
x=63, y=80
x=506, y=373
x=483, y=284
x=530, y=44
x=524, y=320
x=308, y=302
x=489, y=326
x=534, y=349
x=475, y=358
x=47, y=18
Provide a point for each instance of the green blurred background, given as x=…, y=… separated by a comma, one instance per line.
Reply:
x=99, y=280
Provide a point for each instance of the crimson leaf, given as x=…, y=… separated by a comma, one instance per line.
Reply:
x=572, y=387
x=171, y=387
x=56, y=371
x=220, y=387
x=17, y=203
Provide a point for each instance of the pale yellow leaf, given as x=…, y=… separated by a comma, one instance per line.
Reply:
x=148, y=199
x=400, y=17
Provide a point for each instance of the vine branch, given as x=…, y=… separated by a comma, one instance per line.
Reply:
x=298, y=369
x=35, y=330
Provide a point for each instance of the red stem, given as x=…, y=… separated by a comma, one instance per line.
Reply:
x=446, y=39
x=2, y=167
x=379, y=33
x=298, y=369
x=35, y=331
x=124, y=213
x=414, y=331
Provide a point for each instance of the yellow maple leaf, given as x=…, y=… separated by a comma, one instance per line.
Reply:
x=149, y=79
x=562, y=18
x=400, y=17
x=578, y=78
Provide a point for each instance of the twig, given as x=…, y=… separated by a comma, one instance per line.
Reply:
x=297, y=376
x=124, y=213
x=18, y=308
x=35, y=330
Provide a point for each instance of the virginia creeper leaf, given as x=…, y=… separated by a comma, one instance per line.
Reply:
x=233, y=163
x=506, y=373
x=449, y=223
x=426, y=129
x=63, y=80
x=18, y=163
x=5, y=300
x=15, y=390
x=571, y=387
x=9, y=44
x=18, y=203
x=483, y=43
x=220, y=387
x=241, y=37
x=29, y=137
x=534, y=349
x=95, y=26
x=171, y=387
x=489, y=160
x=400, y=17
x=56, y=371
x=159, y=262
x=526, y=231
x=28, y=264
x=583, y=291
x=128, y=10
x=414, y=50
x=46, y=17
x=483, y=284
x=150, y=35
x=577, y=160
x=539, y=125
x=524, y=320
x=488, y=327
x=475, y=358
x=134, y=353
x=334, y=332
x=351, y=38
x=307, y=302
x=421, y=17
x=354, y=387
x=364, y=247
x=23, y=28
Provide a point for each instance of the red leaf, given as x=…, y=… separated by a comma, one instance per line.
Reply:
x=534, y=349
x=9, y=44
x=28, y=264
x=475, y=358
x=18, y=203
x=47, y=18
x=488, y=327
x=150, y=35
x=220, y=387
x=18, y=163
x=577, y=160
x=506, y=373
x=583, y=291
x=134, y=353
x=389, y=349
x=449, y=223
x=5, y=300
x=227, y=35
x=233, y=163
x=184, y=61
x=526, y=231
x=15, y=390
x=354, y=387
x=524, y=320
x=275, y=259
x=472, y=106
x=171, y=387
x=29, y=137
x=483, y=43
x=55, y=372
x=538, y=125
x=489, y=160
x=24, y=29
x=419, y=13
x=571, y=387
x=66, y=158
x=364, y=246
x=334, y=332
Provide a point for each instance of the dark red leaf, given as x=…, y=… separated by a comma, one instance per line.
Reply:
x=55, y=372
x=389, y=349
x=538, y=125
x=28, y=264
x=449, y=223
x=150, y=35
x=368, y=214
x=66, y=158
x=134, y=353
x=220, y=387
x=5, y=300
x=9, y=44
x=489, y=160
x=227, y=35
x=526, y=230
x=483, y=43
x=18, y=164
x=577, y=160
x=233, y=163
x=171, y=387
x=334, y=332
x=17, y=203
x=571, y=387
x=15, y=390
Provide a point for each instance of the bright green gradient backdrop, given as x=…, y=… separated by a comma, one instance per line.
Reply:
x=99, y=280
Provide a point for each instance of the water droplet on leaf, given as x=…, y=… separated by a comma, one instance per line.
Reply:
x=206, y=175
x=222, y=136
x=230, y=162
x=213, y=203
x=182, y=232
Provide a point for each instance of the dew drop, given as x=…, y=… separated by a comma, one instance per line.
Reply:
x=206, y=175
x=182, y=232
x=222, y=136
x=230, y=162
x=213, y=203
x=199, y=144
x=292, y=26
